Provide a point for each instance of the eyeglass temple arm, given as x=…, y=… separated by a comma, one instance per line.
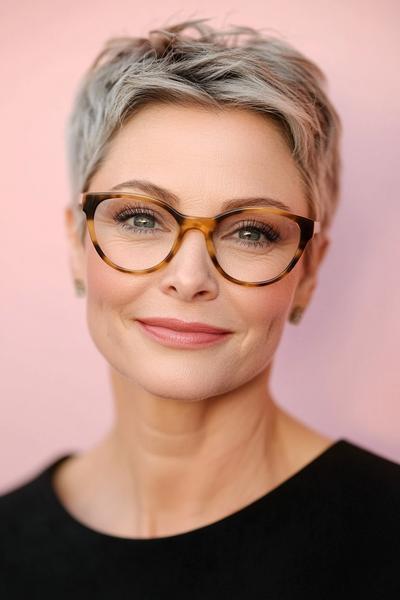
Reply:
x=317, y=226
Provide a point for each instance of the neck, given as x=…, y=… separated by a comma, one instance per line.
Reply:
x=169, y=466
x=191, y=462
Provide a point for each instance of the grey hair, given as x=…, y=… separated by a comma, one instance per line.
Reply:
x=214, y=69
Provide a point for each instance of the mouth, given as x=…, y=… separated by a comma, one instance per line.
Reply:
x=183, y=338
x=178, y=325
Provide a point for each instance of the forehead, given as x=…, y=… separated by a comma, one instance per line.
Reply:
x=205, y=156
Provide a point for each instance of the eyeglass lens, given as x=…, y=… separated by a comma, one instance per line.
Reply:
x=251, y=246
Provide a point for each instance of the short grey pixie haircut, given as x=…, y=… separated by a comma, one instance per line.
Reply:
x=240, y=67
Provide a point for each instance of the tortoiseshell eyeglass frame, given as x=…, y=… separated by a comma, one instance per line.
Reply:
x=89, y=201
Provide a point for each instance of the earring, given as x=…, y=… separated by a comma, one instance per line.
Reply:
x=296, y=315
x=79, y=287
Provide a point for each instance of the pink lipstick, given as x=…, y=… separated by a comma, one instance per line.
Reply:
x=181, y=334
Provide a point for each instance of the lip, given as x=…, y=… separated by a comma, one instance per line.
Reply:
x=182, y=339
x=178, y=325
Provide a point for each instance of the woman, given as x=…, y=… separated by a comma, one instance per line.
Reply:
x=205, y=180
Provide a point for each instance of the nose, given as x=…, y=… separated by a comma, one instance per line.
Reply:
x=191, y=271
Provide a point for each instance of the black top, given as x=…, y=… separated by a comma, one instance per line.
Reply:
x=331, y=530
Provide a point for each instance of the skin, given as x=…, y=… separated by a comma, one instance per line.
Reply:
x=197, y=434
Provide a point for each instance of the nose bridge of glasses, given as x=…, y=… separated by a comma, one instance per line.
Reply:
x=204, y=224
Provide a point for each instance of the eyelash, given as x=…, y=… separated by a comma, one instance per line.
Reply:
x=269, y=232
x=132, y=211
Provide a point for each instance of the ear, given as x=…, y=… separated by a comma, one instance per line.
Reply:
x=76, y=245
x=312, y=258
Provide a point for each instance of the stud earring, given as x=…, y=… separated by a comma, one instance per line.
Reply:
x=79, y=287
x=296, y=315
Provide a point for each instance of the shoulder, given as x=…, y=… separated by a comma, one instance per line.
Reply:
x=361, y=478
x=32, y=544
x=15, y=499
x=365, y=470
x=362, y=489
x=368, y=514
x=26, y=508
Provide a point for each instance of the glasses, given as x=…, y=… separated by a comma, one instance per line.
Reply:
x=252, y=246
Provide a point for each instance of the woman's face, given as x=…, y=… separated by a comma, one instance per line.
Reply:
x=205, y=158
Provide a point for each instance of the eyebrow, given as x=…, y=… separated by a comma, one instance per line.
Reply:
x=170, y=198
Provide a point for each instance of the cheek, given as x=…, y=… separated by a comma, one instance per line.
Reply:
x=110, y=296
x=110, y=300
x=270, y=305
x=108, y=288
x=265, y=314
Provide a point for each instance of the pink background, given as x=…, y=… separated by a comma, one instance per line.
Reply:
x=339, y=370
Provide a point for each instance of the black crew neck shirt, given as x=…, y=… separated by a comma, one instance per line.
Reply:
x=331, y=530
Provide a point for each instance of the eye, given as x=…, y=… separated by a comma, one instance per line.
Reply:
x=139, y=218
x=258, y=229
